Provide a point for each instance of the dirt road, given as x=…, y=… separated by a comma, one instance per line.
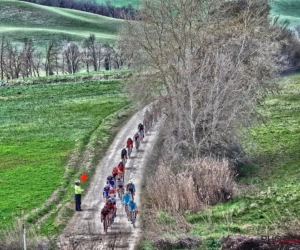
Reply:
x=85, y=230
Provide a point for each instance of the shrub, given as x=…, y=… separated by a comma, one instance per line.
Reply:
x=199, y=183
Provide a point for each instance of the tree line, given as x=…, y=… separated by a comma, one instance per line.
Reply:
x=27, y=60
x=106, y=9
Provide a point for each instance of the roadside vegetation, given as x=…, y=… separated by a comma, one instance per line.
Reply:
x=267, y=200
x=43, y=128
x=266, y=195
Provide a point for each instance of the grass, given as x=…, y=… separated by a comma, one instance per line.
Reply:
x=40, y=127
x=271, y=194
x=120, y=3
x=287, y=9
x=19, y=20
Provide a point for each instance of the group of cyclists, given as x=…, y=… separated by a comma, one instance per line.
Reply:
x=116, y=186
x=115, y=182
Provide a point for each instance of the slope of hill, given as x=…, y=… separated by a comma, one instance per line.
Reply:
x=120, y=3
x=287, y=9
x=21, y=19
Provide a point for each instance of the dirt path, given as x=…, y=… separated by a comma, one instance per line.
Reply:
x=85, y=230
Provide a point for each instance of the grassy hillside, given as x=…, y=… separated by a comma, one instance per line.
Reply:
x=22, y=19
x=287, y=9
x=40, y=126
x=120, y=3
x=268, y=201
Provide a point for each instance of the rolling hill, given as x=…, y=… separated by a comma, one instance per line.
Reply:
x=287, y=9
x=21, y=19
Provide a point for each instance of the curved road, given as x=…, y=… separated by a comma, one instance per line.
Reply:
x=84, y=230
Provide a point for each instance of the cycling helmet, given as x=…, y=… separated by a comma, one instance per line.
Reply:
x=77, y=181
x=131, y=201
x=130, y=182
x=129, y=139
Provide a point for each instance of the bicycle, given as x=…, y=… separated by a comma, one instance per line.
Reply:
x=120, y=192
x=124, y=160
x=127, y=211
x=105, y=224
x=133, y=217
x=137, y=144
x=129, y=151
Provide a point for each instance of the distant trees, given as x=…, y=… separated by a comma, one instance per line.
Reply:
x=107, y=9
x=26, y=59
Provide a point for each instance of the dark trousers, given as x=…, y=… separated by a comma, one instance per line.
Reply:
x=78, y=202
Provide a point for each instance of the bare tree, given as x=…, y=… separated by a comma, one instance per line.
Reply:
x=209, y=59
x=2, y=57
x=13, y=60
x=72, y=57
x=27, y=54
x=51, y=59
x=91, y=51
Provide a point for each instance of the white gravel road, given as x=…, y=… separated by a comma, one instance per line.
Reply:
x=85, y=231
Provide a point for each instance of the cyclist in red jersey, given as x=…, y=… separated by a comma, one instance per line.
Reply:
x=104, y=213
x=112, y=208
x=129, y=146
x=129, y=143
x=115, y=172
x=121, y=168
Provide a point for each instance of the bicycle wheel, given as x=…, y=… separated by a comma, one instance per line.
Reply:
x=105, y=225
x=129, y=151
x=133, y=220
x=127, y=212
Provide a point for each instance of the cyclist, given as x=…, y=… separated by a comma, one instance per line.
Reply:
x=131, y=188
x=141, y=130
x=120, y=187
x=121, y=168
x=114, y=202
x=104, y=214
x=111, y=192
x=115, y=172
x=136, y=139
x=105, y=192
x=129, y=146
x=126, y=198
x=112, y=210
x=110, y=180
x=124, y=155
x=133, y=211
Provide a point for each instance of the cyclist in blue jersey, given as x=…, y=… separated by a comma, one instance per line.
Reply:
x=111, y=181
x=126, y=198
x=133, y=210
x=105, y=192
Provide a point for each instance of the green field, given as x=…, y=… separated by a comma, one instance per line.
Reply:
x=120, y=3
x=40, y=127
x=21, y=19
x=271, y=189
x=287, y=9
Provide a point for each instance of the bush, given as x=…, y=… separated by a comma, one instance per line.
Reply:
x=12, y=238
x=198, y=184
